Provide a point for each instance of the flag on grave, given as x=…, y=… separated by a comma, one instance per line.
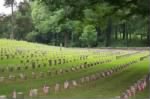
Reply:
x=46, y=89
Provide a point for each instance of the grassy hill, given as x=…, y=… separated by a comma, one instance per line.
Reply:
x=25, y=65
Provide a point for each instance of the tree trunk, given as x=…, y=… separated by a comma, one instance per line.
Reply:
x=148, y=30
x=130, y=36
x=120, y=32
x=65, y=39
x=12, y=22
x=120, y=35
x=57, y=39
x=116, y=32
x=109, y=32
x=72, y=39
x=127, y=34
x=141, y=37
x=124, y=31
x=98, y=29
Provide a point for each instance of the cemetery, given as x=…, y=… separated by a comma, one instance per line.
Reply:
x=33, y=71
x=74, y=49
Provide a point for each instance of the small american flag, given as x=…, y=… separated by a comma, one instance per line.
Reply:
x=46, y=89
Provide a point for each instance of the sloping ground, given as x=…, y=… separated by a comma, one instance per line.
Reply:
x=111, y=86
x=23, y=58
x=143, y=95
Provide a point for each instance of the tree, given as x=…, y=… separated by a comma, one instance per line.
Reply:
x=89, y=36
x=23, y=21
x=5, y=26
x=108, y=32
x=47, y=22
x=67, y=21
x=11, y=3
x=77, y=29
x=136, y=7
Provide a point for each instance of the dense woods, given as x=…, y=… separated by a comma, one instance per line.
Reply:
x=82, y=23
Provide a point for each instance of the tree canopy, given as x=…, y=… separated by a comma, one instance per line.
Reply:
x=79, y=23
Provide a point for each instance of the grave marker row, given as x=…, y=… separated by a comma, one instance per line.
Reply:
x=139, y=86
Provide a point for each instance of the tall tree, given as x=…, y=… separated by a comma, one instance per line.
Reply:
x=11, y=3
x=108, y=32
x=89, y=36
x=23, y=20
x=136, y=7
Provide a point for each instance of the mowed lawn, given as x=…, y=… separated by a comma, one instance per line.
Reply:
x=109, y=87
x=103, y=88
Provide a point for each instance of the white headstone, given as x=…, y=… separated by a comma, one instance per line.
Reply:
x=66, y=85
x=82, y=80
x=2, y=79
x=33, y=75
x=11, y=77
x=33, y=93
x=3, y=97
x=103, y=74
x=22, y=76
x=87, y=78
x=133, y=90
x=74, y=83
x=14, y=95
x=57, y=87
x=20, y=95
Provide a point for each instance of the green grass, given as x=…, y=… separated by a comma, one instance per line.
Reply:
x=108, y=87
